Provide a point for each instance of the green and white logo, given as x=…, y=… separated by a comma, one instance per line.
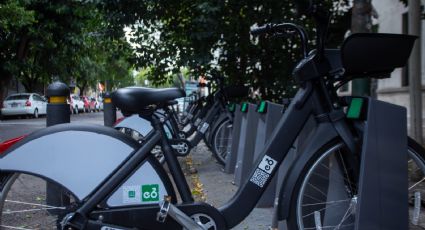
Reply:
x=150, y=192
x=131, y=194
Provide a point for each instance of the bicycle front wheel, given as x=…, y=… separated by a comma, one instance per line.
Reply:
x=326, y=192
x=24, y=203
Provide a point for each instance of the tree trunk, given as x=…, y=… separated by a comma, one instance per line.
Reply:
x=361, y=22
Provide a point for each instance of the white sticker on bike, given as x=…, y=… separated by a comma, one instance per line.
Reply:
x=109, y=228
x=131, y=194
x=262, y=173
x=204, y=127
x=267, y=164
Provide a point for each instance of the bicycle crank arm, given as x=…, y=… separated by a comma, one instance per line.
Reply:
x=168, y=209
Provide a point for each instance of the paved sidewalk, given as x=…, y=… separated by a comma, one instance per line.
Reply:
x=218, y=188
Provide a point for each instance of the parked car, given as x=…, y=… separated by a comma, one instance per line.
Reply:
x=24, y=104
x=77, y=105
x=94, y=105
x=86, y=102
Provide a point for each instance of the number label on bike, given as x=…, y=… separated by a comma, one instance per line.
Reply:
x=204, y=127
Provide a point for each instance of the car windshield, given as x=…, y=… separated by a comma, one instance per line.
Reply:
x=18, y=97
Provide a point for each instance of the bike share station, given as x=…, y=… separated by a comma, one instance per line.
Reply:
x=382, y=195
x=381, y=202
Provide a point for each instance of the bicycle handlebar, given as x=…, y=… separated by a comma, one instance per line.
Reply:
x=283, y=29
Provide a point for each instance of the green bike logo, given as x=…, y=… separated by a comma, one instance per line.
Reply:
x=150, y=192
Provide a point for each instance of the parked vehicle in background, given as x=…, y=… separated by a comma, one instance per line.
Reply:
x=77, y=105
x=24, y=104
x=86, y=102
x=99, y=103
x=94, y=104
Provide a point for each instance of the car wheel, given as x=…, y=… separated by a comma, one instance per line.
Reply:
x=35, y=115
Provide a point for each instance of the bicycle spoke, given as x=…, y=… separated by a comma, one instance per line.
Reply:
x=329, y=202
x=417, y=183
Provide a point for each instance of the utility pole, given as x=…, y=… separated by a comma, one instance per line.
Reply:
x=415, y=74
x=361, y=22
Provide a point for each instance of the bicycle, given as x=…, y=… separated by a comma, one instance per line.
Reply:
x=124, y=189
x=212, y=123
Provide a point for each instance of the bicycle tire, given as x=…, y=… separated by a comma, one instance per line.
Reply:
x=221, y=140
x=309, y=211
x=23, y=203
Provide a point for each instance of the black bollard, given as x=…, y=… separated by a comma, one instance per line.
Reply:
x=109, y=111
x=58, y=112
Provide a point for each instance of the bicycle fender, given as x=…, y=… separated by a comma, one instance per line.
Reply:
x=77, y=157
x=136, y=123
x=323, y=134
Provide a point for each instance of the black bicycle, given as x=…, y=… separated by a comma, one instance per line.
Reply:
x=121, y=186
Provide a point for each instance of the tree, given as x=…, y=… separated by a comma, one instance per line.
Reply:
x=14, y=18
x=204, y=35
x=42, y=40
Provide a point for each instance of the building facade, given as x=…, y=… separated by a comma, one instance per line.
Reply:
x=393, y=18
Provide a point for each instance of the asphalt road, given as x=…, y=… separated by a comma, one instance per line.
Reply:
x=14, y=127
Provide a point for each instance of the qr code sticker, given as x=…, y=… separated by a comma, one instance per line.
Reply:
x=260, y=177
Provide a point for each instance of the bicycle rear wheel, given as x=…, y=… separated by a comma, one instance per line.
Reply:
x=23, y=203
x=326, y=196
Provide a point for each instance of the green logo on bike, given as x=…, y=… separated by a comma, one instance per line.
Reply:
x=150, y=192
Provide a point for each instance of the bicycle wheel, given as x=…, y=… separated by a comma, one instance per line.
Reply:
x=222, y=140
x=23, y=203
x=326, y=196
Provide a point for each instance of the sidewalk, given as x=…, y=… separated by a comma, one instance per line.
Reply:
x=218, y=188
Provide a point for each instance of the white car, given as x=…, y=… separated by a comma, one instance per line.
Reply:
x=76, y=103
x=24, y=104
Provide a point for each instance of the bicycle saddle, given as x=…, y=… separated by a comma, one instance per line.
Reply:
x=136, y=99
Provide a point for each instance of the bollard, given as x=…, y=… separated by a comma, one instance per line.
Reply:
x=245, y=153
x=58, y=112
x=109, y=111
x=236, y=131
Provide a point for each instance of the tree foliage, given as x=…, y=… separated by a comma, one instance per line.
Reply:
x=43, y=40
x=204, y=35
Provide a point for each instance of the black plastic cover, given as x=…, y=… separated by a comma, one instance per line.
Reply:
x=375, y=55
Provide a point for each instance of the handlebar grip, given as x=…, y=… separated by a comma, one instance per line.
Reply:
x=267, y=28
x=260, y=30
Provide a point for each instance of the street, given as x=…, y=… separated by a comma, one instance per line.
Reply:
x=14, y=127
